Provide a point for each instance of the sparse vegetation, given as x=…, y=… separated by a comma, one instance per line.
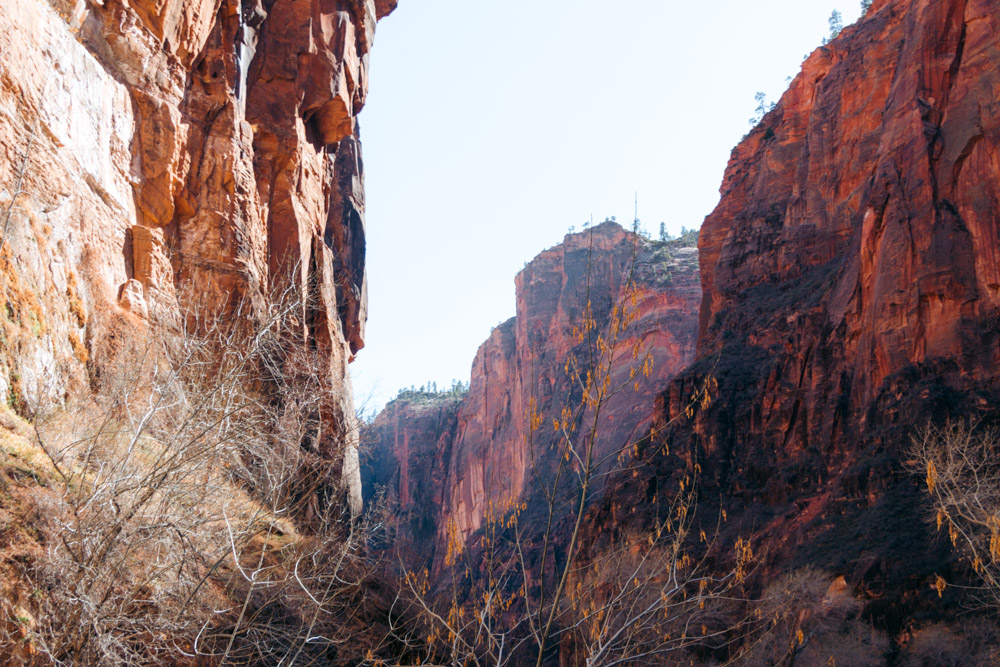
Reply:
x=430, y=390
x=836, y=22
x=815, y=620
x=763, y=108
x=79, y=349
x=192, y=508
x=529, y=586
x=960, y=464
x=73, y=298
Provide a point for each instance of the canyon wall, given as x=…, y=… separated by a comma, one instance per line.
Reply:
x=406, y=455
x=851, y=293
x=443, y=462
x=851, y=279
x=162, y=153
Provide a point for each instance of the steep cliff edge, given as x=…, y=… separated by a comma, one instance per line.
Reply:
x=444, y=462
x=850, y=278
x=157, y=146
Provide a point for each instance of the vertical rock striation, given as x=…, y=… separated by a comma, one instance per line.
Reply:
x=409, y=450
x=852, y=289
x=480, y=451
x=160, y=144
x=857, y=232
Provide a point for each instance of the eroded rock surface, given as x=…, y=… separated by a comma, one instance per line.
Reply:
x=155, y=145
x=850, y=278
x=446, y=462
x=408, y=451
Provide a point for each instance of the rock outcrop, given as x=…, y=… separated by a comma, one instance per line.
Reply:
x=444, y=463
x=407, y=451
x=157, y=145
x=851, y=280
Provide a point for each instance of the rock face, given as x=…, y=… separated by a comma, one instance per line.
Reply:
x=445, y=462
x=155, y=145
x=408, y=448
x=851, y=278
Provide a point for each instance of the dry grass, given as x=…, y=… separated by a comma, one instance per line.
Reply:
x=73, y=298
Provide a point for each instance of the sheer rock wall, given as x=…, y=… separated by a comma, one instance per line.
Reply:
x=155, y=145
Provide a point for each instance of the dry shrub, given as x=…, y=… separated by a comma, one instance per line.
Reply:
x=79, y=349
x=960, y=464
x=661, y=596
x=814, y=620
x=75, y=304
x=24, y=478
x=970, y=642
x=174, y=529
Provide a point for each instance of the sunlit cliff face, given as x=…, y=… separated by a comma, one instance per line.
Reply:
x=480, y=450
x=185, y=143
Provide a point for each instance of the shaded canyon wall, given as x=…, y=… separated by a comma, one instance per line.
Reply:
x=851, y=293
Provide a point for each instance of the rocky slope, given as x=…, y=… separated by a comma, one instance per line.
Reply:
x=444, y=461
x=158, y=145
x=851, y=280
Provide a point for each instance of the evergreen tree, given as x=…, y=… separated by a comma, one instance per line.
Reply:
x=762, y=108
x=836, y=24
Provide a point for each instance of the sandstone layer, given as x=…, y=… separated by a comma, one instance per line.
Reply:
x=851, y=277
x=156, y=146
x=405, y=454
x=444, y=462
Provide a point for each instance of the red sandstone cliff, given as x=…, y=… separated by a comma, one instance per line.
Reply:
x=152, y=145
x=445, y=462
x=851, y=277
x=405, y=453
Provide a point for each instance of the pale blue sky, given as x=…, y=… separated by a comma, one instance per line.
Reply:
x=491, y=127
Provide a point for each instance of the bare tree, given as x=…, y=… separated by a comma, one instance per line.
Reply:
x=194, y=512
x=961, y=467
x=532, y=588
x=813, y=619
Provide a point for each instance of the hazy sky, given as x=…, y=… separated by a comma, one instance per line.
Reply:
x=491, y=127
